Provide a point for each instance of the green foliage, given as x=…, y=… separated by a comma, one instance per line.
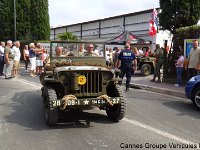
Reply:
x=32, y=20
x=191, y=32
x=6, y=20
x=178, y=13
x=67, y=36
x=40, y=27
x=23, y=19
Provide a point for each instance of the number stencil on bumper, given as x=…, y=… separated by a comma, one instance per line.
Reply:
x=85, y=102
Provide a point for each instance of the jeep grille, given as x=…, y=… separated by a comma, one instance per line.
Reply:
x=93, y=85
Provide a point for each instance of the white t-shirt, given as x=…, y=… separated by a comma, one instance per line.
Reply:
x=1, y=50
x=17, y=53
x=141, y=52
x=180, y=61
x=107, y=55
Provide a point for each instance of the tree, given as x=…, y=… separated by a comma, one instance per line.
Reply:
x=178, y=13
x=174, y=15
x=23, y=19
x=32, y=20
x=6, y=20
x=67, y=36
x=40, y=27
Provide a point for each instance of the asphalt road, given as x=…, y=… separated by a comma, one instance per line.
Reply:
x=153, y=121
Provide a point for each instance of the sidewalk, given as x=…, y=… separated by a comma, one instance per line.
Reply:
x=141, y=82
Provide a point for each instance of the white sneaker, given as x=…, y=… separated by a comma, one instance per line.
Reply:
x=176, y=85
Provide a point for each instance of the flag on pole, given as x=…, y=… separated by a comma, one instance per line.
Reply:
x=153, y=23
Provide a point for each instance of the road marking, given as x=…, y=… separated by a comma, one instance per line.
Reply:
x=136, y=123
x=28, y=82
x=163, y=133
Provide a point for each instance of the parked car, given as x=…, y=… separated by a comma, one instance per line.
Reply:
x=192, y=91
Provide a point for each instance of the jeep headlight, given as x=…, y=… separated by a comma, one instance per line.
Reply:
x=63, y=76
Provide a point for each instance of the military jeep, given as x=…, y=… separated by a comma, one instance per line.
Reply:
x=145, y=64
x=78, y=82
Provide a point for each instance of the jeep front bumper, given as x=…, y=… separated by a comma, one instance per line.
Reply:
x=86, y=102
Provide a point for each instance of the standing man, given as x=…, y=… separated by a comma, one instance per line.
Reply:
x=127, y=58
x=16, y=59
x=9, y=57
x=115, y=60
x=158, y=53
x=194, y=60
x=2, y=45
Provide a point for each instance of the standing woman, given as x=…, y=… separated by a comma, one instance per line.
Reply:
x=179, y=68
x=39, y=62
x=45, y=57
x=135, y=51
x=26, y=57
x=32, y=57
x=2, y=45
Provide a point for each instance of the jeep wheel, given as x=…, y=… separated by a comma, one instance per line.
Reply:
x=146, y=70
x=116, y=112
x=196, y=98
x=50, y=113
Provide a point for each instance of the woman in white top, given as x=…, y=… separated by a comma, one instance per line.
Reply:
x=26, y=57
x=179, y=68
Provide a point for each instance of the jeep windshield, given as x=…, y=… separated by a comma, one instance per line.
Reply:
x=77, y=49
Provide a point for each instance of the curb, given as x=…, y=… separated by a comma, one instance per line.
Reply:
x=158, y=90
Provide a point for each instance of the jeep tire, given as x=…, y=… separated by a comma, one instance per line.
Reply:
x=117, y=112
x=146, y=69
x=50, y=113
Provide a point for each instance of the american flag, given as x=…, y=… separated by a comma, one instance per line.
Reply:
x=153, y=23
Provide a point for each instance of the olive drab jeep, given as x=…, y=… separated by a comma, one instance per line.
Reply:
x=77, y=78
x=146, y=65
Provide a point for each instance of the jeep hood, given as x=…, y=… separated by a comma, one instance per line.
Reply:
x=80, y=68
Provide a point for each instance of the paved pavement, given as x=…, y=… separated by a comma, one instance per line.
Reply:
x=141, y=82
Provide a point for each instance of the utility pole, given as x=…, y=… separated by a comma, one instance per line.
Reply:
x=15, y=30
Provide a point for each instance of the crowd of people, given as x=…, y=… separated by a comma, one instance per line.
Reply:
x=10, y=55
x=192, y=65
x=123, y=59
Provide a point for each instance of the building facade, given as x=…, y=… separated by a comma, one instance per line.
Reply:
x=108, y=28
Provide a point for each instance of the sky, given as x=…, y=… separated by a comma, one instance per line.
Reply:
x=66, y=12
